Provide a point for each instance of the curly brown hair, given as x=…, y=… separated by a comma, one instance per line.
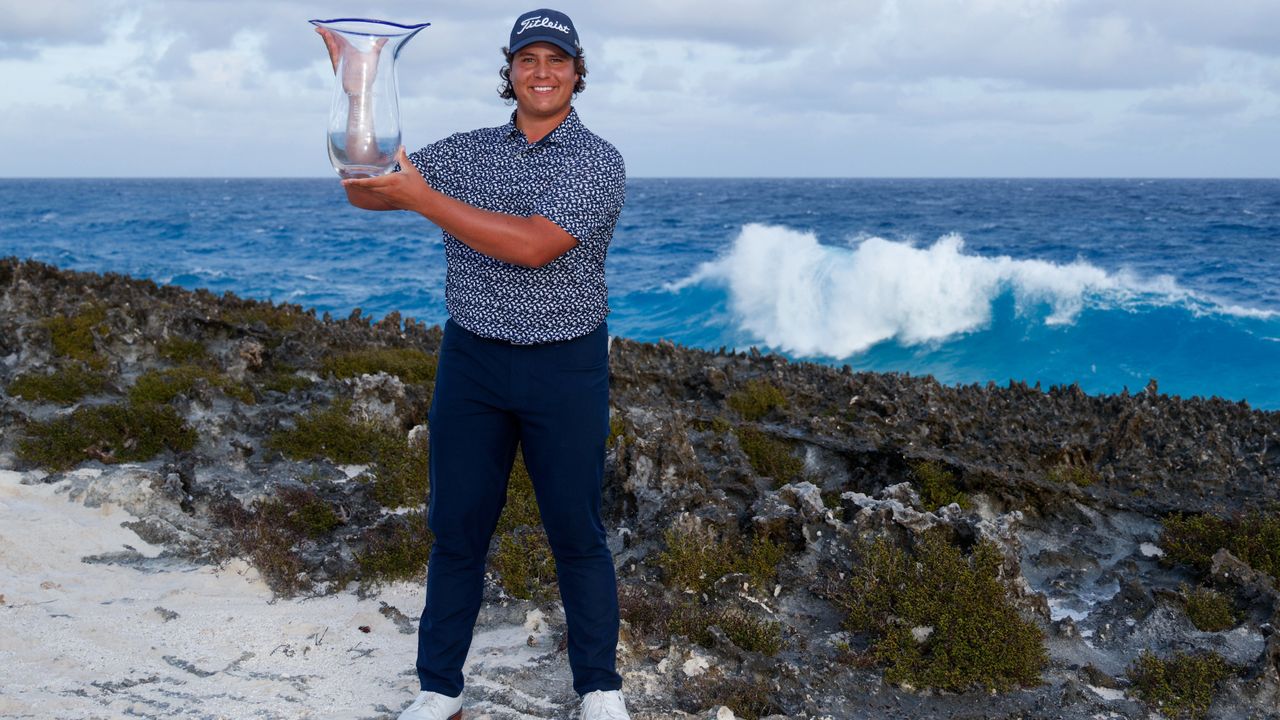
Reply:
x=508, y=93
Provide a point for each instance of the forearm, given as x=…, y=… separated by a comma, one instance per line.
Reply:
x=526, y=241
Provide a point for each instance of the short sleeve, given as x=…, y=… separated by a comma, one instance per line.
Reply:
x=589, y=197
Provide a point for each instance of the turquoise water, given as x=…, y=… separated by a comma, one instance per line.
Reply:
x=1107, y=283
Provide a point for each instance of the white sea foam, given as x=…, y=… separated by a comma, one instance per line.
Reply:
x=814, y=299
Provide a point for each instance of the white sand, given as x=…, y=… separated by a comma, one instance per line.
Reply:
x=87, y=640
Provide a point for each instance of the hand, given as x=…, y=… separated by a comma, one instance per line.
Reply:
x=360, y=64
x=402, y=190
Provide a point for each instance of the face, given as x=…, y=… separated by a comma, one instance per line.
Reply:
x=542, y=77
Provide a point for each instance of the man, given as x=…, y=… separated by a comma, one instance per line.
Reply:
x=528, y=210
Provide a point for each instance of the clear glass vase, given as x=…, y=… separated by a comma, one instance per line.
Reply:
x=364, y=119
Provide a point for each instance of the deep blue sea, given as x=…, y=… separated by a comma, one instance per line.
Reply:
x=1106, y=283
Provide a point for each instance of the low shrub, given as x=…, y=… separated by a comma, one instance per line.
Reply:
x=1194, y=539
x=1209, y=610
x=329, y=432
x=162, y=386
x=696, y=560
x=769, y=457
x=756, y=399
x=750, y=698
x=937, y=486
x=66, y=385
x=396, y=549
x=183, y=351
x=410, y=365
x=1181, y=686
x=939, y=619
x=73, y=336
x=109, y=433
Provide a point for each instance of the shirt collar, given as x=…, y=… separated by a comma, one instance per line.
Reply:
x=566, y=131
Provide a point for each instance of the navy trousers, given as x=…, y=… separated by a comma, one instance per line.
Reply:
x=552, y=400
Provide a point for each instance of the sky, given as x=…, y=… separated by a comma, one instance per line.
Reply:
x=683, y=88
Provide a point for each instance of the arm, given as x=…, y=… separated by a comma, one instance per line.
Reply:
x=527, y=241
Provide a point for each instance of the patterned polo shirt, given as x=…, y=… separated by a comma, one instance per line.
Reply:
x=571, y=177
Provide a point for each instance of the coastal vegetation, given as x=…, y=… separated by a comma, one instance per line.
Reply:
x=940, y=619
x=769, y=457
x=1253, y=537
x=66, y=385
x=162, y=386
x=396, y=549
x=756, y=400
x=696, y=560
x=122, y=432
x=523, y=560
x=409, y=364
x=1181, y=685
x=937, y=486
x=1208, y=609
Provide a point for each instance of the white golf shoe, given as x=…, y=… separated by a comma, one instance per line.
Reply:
x=434, y=706
x=604, y=705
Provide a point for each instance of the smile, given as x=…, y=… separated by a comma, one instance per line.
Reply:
x=543, y=88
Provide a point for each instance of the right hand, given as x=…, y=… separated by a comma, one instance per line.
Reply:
x=359, y=63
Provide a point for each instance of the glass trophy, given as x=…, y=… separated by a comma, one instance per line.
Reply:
x=364, y=118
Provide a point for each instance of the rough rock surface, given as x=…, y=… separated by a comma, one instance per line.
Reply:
x=1081, y=558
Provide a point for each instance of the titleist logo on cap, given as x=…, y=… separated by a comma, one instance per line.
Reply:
x=535, y=22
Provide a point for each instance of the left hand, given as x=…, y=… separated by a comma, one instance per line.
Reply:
x=402, y=190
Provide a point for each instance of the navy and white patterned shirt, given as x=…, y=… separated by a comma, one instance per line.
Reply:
x=571, y=177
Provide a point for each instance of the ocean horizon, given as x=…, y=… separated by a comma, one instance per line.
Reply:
x=1105, y=283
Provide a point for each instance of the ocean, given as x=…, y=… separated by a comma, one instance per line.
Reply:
x=1104, y=283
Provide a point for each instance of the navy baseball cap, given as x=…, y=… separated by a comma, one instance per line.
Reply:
x=545, y=25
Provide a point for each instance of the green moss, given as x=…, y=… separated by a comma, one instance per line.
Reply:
x=1253, y=537
x=1182, y=686
x=330, y=433
x=769, y=457
x=1073, y=474
x=65, y=386
x=73, y=335
x=937, y=486
x=977, y=637
x=410, y=365
x=162, y=386
x=696, y=560
x=756, y=399
x=398, y=549
x=1209, y=610
x=182, y=350
x=109, y=433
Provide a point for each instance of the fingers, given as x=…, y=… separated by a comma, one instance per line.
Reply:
x=330, y=44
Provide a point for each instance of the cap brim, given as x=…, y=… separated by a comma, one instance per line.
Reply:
x=565, y=46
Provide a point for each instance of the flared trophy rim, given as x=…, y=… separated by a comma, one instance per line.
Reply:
x=370, y=21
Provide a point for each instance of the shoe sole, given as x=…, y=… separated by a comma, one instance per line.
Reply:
x=456, y=716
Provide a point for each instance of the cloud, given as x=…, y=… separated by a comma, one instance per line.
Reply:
x=1201, y=101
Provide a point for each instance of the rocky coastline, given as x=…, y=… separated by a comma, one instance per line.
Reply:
x=792, y=540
